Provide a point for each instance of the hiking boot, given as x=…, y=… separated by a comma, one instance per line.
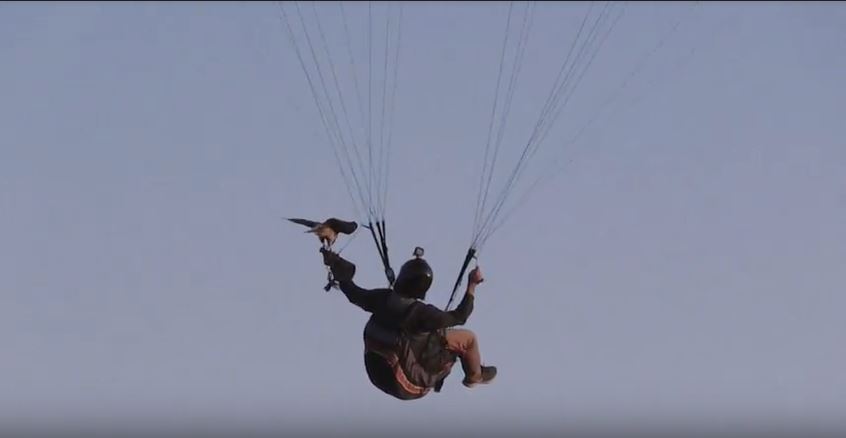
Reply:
x=488, y=374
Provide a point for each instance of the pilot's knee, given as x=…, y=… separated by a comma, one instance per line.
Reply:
x=460, y=338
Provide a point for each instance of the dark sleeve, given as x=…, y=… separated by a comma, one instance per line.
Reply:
x=369, y=300
x=431, y=318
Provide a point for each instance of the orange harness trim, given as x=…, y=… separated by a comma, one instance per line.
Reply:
x=393, y=360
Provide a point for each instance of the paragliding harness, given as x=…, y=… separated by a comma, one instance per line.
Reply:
x=410, y=364
x=402, y=364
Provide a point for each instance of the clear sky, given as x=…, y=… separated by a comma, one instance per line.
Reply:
x=685, y=269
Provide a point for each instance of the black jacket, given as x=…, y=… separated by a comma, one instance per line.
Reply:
x=424, y=319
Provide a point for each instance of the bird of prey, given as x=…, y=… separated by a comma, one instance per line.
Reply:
x=328, y=230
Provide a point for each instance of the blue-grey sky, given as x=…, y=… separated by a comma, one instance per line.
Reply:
x=687, y=267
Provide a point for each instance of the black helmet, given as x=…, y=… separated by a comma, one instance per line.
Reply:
x=415, y=277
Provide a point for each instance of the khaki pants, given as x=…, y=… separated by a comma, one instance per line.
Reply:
x=463, y=343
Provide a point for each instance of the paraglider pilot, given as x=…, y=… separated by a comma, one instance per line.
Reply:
x=410, y=346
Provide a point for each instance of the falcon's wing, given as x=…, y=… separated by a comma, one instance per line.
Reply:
x=306, y=222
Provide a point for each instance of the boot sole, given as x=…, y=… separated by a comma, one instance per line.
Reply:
x=473, y=384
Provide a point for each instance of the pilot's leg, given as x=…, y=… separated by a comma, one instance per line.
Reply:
x=463, y=343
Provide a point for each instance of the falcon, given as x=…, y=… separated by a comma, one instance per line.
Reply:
x=328, y=230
